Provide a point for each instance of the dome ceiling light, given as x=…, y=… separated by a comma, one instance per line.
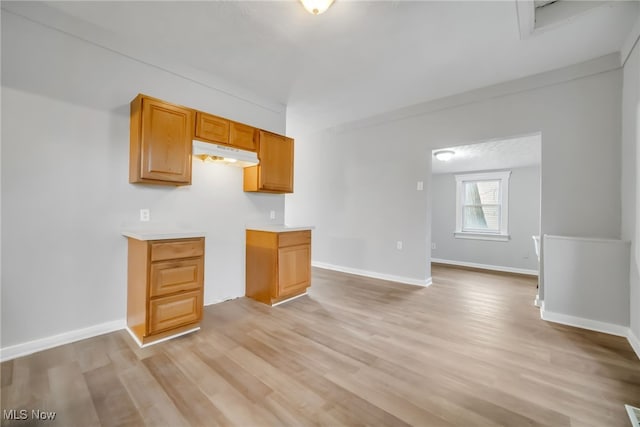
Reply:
x=316, y=7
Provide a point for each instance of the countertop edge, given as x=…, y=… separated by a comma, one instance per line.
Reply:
x=279, y=228
x=162, y=235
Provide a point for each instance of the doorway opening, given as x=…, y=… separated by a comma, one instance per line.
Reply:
x=485, y=205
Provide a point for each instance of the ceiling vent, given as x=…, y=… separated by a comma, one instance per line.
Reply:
x=540, y=15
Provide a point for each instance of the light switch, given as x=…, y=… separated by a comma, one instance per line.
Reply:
x=399, y=245
x=420, y=186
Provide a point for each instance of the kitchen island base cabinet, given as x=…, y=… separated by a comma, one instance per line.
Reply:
x=165, y=288
x=278, y=265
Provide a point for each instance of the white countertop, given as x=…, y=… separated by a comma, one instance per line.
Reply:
x=161, y=233
x=279, y=228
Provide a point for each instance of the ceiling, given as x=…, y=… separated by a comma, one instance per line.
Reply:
x=358, y=59
x=498, y=154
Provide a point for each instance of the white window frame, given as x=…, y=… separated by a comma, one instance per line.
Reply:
x=503, y=177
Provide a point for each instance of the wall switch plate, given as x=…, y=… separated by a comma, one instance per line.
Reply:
x=145, y=215
x=420, y=186
x=272, y=215
x=433, y=245
x=399, y=245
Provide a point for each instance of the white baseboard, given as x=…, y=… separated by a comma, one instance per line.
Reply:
x=373, y=274
x=288, y=299
x=29, y=347
x=486, y=266
x=135, y=338
x=593, y=325
x=634, y=342
x=581, y=322
x=538, y=302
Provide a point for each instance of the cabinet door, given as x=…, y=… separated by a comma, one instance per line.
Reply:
x=294, y=269
x=212, y=128
x=172, y=312
x=166, y=142
x=276, y=163
x=242, y=136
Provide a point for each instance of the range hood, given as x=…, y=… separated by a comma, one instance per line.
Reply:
x=209, y=152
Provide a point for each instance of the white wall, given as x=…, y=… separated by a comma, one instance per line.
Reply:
x=362, y=198
x=518, y=252
x=65, y=190
x=587, y=283
x=631, y=179
x=357, y=182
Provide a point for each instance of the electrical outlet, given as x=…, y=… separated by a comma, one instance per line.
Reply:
x=420, y=186
x=399, y=245
x=433, y=245
x=145, y=215
x=272, y=215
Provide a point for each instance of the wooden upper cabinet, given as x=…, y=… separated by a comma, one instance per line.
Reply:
x=274, y=174
x=243, y=136
x=212, y=128
x=160, y=146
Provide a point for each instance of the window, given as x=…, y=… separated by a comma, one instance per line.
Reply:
x=482, y=208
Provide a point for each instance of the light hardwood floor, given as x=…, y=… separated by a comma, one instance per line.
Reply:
x=470, y=350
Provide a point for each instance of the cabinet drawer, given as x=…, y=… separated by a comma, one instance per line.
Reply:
x=174, y=311
x=292, y=238
x=177, y=249
x=212, y=128
x=168, y=277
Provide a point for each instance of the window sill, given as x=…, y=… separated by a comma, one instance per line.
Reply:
x=482, y=236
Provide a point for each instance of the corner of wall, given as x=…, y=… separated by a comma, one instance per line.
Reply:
x=634, y=342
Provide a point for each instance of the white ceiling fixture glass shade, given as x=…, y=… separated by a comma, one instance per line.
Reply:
x=444, y=155
x=316, y=7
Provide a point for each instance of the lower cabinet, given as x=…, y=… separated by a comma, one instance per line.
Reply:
x=165, y=287
x=278, y=265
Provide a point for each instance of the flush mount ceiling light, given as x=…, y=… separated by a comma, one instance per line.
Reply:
x=316, y=7
x=444, y=155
